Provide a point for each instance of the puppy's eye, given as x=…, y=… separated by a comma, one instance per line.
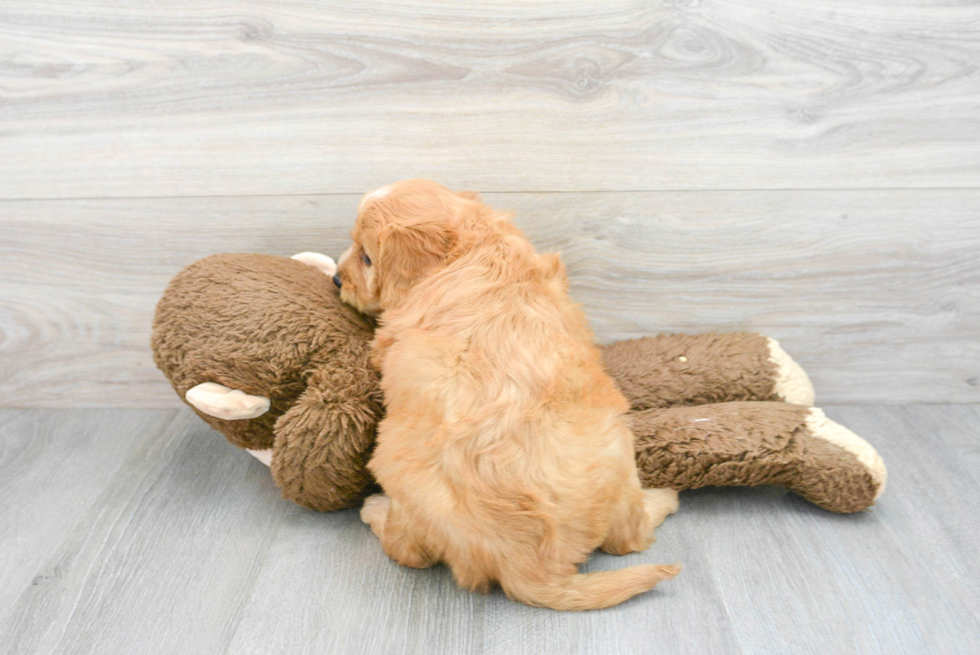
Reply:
x=366, y=259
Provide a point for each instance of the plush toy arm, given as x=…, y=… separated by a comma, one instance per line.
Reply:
x=323, y=443
x=682, y=369
x=753, y=443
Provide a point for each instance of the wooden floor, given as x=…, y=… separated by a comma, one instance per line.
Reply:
x=142, y=531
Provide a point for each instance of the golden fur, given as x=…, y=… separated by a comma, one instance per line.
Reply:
x=504, y=452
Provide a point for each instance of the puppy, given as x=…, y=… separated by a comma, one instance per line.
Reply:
x=504, y=452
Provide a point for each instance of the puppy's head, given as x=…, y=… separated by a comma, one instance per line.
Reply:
x=404, y=231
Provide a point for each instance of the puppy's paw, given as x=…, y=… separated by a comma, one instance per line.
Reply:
x=659, y=503
x=375, y=512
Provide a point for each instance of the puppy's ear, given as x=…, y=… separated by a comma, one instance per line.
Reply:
x=407, y=253
x=470, y=195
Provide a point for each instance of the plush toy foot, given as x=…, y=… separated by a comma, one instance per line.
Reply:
x=219, y=401
x=823, y=428
x=791, y=383
x=751, y=443
x=318, y=261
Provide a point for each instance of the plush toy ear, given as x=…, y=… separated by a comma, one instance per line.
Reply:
x=321, y=262
x=226, y=403
x=407, y=252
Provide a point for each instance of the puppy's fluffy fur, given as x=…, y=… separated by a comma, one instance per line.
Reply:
x=504, y=452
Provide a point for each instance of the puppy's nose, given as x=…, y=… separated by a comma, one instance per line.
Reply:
x=336, y=280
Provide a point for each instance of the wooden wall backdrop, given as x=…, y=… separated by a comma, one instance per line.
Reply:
x=808, y=170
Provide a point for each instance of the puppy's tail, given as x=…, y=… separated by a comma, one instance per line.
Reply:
x=588, y=591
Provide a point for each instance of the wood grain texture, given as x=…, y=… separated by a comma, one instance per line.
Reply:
x=123, y=529
x=134, y=530
x=876, y=293
x=191, y=97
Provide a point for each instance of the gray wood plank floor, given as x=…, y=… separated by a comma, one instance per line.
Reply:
x=142, y=531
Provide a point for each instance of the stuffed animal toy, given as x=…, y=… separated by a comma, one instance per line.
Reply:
x=262, y=348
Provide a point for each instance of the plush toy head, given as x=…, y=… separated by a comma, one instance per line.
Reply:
x=273, y=329
x=264, y=351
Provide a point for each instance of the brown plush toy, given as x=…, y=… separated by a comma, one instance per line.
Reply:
x=264, y=351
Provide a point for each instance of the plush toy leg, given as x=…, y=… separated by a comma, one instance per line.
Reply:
x=753, y=443
x=683, y=369
x=225, y=403
x=323, y=443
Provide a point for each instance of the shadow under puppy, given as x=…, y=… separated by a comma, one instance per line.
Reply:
x=504, y=452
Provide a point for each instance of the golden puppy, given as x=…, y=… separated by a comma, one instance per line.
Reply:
x=504, y=452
